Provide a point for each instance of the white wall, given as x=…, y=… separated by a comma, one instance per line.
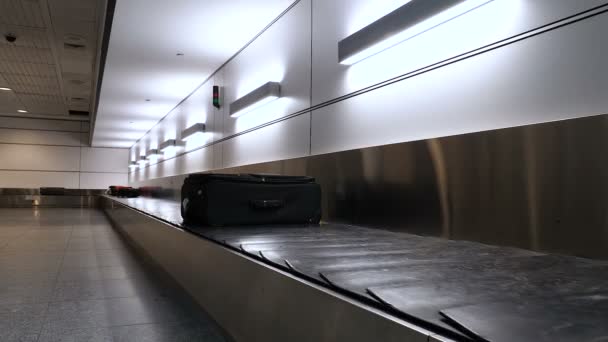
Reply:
x=38, y=152
x=555, y=75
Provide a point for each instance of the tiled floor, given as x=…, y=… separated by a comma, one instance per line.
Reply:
x=66, y=275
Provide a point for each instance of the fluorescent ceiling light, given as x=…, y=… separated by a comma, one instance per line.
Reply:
x=403, y=23
x=142, y=160
x=193, y=131
x=133, y=165
x=22, y=111
x=167, y=145
x=257, y=98
x=5, y=88
x=153, y=152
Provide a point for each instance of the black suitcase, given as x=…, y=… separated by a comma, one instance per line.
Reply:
x=128, y=192
x=221, y=199
x=124, y=191
x=113, y=189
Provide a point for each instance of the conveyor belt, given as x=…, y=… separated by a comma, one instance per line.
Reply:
x=434, y=282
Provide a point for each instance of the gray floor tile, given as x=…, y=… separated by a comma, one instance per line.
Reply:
x=64, y=316
x=170, y=332
x=109, y=288
x=73, y=260
x=99, y=273
x=93, y=225
x=94, y=259
x=82, y=233
x=17, y=293
x=84, y=243
x=33, y=245
x=12, y=264
x=86, y=334
x=80, y=244
x=19, y=276
x=104, y=244
x=86, y=284
x=21, y=322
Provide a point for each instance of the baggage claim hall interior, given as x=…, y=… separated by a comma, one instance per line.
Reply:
x=308, y=170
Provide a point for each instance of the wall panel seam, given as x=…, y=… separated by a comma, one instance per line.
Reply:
x=311, y=75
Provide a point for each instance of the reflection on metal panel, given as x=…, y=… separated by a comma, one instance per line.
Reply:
x=29, y=201
x=27, y=198
x=542, y=187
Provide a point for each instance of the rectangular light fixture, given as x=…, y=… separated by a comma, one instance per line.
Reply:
x=133, y=165
x=405, y=22
x=142, y=160
x=166, y=145
x=153, y=152
x=192, y=131
x=257, y=98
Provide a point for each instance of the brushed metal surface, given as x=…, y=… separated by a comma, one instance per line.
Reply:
x=541, y=187
x=35, y=200
x=252, y=301
x=36, y=191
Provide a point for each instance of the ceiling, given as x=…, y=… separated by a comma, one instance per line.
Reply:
x=50, y=67
x=142, y=62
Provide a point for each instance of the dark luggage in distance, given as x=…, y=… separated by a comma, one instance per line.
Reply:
x=128, y=192
x=52, y=191
x=124, y=191
x=221, y=199
x=113, y=190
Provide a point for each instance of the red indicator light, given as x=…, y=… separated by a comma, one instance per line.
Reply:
x=216, y=97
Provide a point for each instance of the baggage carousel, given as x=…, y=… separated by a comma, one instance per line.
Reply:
x=375, y=284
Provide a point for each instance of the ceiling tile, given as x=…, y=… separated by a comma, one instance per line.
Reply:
x=30, y=69
x=28, y=80
x=26, y=36
x=14, y=53
x=21, y=12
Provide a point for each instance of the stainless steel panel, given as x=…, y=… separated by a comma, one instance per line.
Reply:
x=542, y=187
x=514, y=85
x=283, y=140
x=337, y=19
x=36, y=191
x=252, y=301
x=28, y=201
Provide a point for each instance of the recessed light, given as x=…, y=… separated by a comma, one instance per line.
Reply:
x=257, y=98
x=22, y=111
x=5, y=88
x=167, y=145
x=407, y=21
x=192, y=131
x=153, y=152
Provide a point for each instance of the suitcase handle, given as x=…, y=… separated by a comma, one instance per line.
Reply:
x=266, y=204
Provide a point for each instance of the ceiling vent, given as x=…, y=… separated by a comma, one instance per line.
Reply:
x=74, y=42
x=78, y=100
x=77, y=82
x=79, y=112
